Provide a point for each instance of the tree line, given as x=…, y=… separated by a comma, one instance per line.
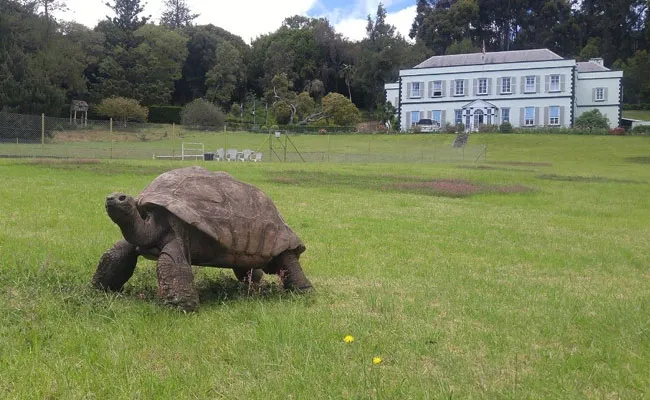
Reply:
x=45, y=63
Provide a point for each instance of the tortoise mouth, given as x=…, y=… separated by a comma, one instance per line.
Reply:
x=119, y=205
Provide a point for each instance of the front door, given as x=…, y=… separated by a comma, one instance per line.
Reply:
x=478, y=119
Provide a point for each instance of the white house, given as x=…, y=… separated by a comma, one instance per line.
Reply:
x=528, y=88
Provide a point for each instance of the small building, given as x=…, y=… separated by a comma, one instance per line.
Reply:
x=528, y=88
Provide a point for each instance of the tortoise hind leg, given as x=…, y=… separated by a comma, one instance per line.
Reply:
x=248, y=276
x=116, y=266
x=175, y=278
x=291, y=274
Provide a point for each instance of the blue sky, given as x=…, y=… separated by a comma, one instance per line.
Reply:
x=251, y=18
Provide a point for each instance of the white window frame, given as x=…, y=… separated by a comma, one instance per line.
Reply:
x=458, y=116
x=554, y=120
x=505, y=115
x=416, y=90
x=482, y=84
x=459, y=84
x=414, y=121
x=600, y=94
x=437, y=89
x=503, y=85
x=529, y=121
x=530, y=85
x=554, y=83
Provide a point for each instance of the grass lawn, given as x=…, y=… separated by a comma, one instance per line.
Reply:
x=526, y=275
x=637, y=114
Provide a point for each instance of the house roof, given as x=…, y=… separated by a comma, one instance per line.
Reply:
x=590, y=67
x=498, y=57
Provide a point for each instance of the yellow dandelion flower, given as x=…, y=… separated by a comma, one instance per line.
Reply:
x=376, y=360
x=348, y=339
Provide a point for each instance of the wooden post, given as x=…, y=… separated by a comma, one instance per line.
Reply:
x=110, y=133
x=42, y=133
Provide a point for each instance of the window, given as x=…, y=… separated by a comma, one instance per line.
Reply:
x=530, y=84
x=482, y=86
x=436, y=115
x=529, y=116
x=416, y=90
x=437, y=89
x=554, y=115
x=459, y=87
x=505, y=85
x=505, y=115
x=555, y=83
x=600, y=94
x=415, y=117
x=458, y=117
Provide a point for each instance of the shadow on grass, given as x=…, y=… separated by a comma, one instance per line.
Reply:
x=639, y=160
x=587, y=179
x=522, y=163
x=97, y=167
x=397, y=183
x=490, y=168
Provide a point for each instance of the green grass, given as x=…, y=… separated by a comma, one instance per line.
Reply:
x=542, y=293
x=637, y=114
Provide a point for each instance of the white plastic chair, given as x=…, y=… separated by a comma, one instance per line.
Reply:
x=257, y=157
x=231, y=155
x=219, y=155
x=245, y=155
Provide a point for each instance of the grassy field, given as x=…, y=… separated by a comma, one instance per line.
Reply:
x=526, y=275
x=637, y=114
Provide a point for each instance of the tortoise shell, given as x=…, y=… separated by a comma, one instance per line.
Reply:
x=235, y=214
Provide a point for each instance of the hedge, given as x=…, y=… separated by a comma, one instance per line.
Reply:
x=165, y=114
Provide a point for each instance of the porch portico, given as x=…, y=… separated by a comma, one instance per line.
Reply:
x=479, y=112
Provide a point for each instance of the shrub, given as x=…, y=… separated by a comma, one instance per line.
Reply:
x=282, y=111
x=592, y=120
x=485, y=128
x=505, y=127
x=202, y=114
x=617, y=131
x=449, y=128
x=123, y=109
x=460, y=127
x=641, y=130
x=340, y=109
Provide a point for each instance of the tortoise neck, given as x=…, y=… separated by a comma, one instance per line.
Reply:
x=138, y=230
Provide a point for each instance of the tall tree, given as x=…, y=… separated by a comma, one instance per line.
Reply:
x=127, y=14
x=177, y=14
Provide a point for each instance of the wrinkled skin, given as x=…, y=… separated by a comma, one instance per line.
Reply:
x=152, y=231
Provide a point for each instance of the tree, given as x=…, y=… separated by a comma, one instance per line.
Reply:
x=636, y=80
x=177, y=14
x=340, y=110
x=127, y=15
x=592, y=120
x=201, y=113
x=227, y=72
x=123, y=109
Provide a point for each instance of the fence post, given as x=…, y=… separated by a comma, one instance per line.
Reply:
x=110, y=135
x=42, y=133
x=173, y=149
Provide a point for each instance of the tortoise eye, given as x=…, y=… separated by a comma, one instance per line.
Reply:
x=122, y=198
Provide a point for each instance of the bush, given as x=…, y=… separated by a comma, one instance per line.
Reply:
x=505, y=127
x=123, y=109
x=340, y=110
x=592, y=120
x=165, y=114
x=202, y=114
x=641, y=130
x=449, y=128
x=617, y=131
x=485, y=128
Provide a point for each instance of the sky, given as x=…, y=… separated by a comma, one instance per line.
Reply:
x=252, y=18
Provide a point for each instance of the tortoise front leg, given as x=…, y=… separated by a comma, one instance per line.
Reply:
x=291, y=274
x=115, y=266
x=175, y=278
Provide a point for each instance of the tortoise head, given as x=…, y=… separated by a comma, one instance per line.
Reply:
x=121, y=208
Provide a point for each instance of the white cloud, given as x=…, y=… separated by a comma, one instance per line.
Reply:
x=355, y=28
x=252, y=18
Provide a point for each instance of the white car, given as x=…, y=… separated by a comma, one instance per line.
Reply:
x=427, y=125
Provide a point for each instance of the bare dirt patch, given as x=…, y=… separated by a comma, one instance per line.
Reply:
x=457, y=188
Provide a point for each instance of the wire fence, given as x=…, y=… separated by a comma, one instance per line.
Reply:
x=41, y=136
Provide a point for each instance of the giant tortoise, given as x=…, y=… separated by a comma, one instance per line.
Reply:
x=192, y=216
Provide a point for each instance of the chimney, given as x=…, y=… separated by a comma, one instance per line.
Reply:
x=598, y=61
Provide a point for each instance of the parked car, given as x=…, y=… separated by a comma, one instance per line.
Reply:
x=427, y=125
